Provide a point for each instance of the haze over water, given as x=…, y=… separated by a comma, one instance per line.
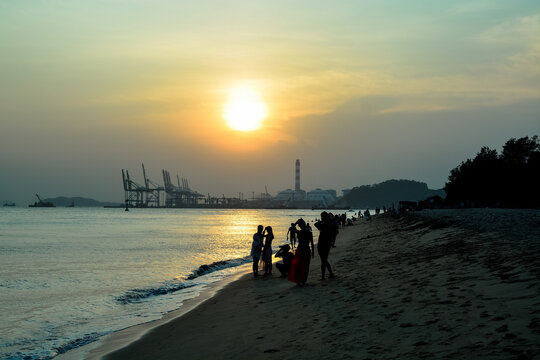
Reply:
x=71, y=275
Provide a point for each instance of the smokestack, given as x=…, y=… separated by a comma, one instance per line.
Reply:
x=297, y=178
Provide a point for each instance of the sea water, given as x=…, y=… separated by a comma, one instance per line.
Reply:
x=69, y=276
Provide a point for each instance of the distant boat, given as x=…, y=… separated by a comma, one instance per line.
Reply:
x=9, y=204
x=71, y=205
x=41, y=203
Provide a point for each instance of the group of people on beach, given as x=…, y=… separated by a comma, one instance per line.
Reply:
x=261, y=250
x=296, y=266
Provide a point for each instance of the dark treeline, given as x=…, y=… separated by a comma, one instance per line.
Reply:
x=511, y=179
x=389, y=192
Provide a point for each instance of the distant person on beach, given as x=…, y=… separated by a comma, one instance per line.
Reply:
x=267, y=250
x=302, y=258
x=337, y=220
x=292, y=232
x=287, y=256
x=367, y=215
x=256, y=249
x=327, y=227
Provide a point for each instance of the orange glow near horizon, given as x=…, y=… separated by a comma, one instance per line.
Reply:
x=244, y=110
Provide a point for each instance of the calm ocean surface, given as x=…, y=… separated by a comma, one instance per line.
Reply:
x=71, y=275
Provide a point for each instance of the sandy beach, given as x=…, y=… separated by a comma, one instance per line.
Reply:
x=443, y=284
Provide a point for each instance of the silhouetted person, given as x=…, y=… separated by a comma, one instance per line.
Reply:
x=327, y=227
x=302, y=258
x=256, y=249
x=292, y=231
x=287, y=256
x=337, y=220
x=367, y=215
x=267, y=250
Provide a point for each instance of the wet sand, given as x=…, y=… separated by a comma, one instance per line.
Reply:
x=443, y=284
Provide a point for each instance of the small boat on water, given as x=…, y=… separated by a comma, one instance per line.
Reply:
x=9, y=204
x=41, y=203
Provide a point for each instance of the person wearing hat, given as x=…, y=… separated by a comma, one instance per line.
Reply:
x=287, y=256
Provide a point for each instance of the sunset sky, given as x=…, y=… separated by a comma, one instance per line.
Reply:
x=359, y=91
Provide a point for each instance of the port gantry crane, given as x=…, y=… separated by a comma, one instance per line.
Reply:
x=133, y=192
x=137, y=195
x=179, y=195
x=150, y=193
x=153, y=191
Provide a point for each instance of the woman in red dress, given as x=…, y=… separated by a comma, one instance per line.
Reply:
x=302, y=258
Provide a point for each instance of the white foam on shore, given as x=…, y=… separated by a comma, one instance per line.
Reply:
x=122, y=338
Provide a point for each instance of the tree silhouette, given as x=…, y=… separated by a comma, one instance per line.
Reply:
x=508, y=180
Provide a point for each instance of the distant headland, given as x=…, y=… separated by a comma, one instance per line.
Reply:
x=62, y=201
x=387, y=193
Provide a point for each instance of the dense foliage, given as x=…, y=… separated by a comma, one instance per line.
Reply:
x=389, y=192
x=511, y=179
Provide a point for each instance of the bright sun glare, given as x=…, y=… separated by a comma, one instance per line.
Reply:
x=244, y=110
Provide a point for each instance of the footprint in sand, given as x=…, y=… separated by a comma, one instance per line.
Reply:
x=485, y=314
x=534, y=324
x=406, y=325
x=503, y=328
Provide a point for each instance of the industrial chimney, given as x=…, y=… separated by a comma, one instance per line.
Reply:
x=297, y=178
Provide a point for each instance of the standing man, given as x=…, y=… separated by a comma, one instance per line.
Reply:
x=292, y=231
x=256, y=249
x=328, y=228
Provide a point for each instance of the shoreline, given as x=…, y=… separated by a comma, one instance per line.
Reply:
x=78, y=340
x=434, y=284
x=122, y=338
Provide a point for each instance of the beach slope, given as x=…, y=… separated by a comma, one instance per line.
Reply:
x=444, y=284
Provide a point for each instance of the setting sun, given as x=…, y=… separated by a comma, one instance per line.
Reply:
x=244, y=110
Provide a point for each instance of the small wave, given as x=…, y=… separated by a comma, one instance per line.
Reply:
x=218, y=265
x=73, y=344
x=137, y=295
